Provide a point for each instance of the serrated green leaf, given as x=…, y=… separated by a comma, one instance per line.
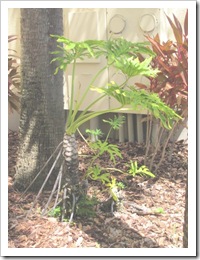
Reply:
x=70, y=46
x=116, y=122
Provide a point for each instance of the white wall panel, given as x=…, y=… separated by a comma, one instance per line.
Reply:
x=83, y=25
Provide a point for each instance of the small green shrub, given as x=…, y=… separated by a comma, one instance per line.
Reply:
x=121, y=185
x=96, y=132
x=95, y=173
x=85, y=206
x=55, y=212
x=143, y=170
x=159, y=210
x=102, y=147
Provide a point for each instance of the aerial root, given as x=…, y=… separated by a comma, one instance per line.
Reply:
x=73, y=207
x=57, y=183
x=45, y=181
x=40, y=170
x=58, y=188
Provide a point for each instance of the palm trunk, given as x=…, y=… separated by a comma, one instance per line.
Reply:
x=70, y=153
x=71, y=177
x=42, y=114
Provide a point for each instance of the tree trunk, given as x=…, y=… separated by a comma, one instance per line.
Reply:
x=70, y=153
x=185, y=225
x=42, y=111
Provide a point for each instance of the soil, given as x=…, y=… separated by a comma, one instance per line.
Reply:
x=152, y=214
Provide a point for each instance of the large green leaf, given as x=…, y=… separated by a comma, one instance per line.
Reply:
x=141, y=99
x=133, y=67
x=114, y=91
x=112, y=49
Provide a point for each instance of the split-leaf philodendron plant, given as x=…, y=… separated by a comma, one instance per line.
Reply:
x=123, y=56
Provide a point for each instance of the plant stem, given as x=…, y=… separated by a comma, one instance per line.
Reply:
x=115, y=169
x=82, y=137
x=108, y=133
x=149, y=127
x=84, y=94
x=64, y=204
x=165, y=145
x=80, y=120
x=161, y=130
x=94, y=159
x=73, y=207
x=58, y=191
x=72, y=90
x=94, y=102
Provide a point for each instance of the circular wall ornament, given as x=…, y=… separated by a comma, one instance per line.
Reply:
x=117, y=24
x=148, y=22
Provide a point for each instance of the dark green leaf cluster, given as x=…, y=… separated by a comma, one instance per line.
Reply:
x=116, y=122
x=116, y=51
x=143, y=170
x=55, y=212
x=103, y=147
x=85, y=206
x=95, y=173
x=96, y=132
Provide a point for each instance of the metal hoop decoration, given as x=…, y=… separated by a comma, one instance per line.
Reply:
x=117, y=24
x=144, y=23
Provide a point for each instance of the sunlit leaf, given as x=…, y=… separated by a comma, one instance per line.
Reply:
x=156, y=46
x=176, y=31
x=186, y=24
x=178, y=25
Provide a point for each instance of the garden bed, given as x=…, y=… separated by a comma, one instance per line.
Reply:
x=127, y=228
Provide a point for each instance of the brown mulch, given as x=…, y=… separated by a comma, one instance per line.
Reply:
x=127, y=228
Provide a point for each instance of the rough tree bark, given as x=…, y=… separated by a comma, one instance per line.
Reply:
x=42, y=113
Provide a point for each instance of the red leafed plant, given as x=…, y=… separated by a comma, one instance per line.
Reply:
x=171, y=84
x=171, y=59
x=14, y=91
